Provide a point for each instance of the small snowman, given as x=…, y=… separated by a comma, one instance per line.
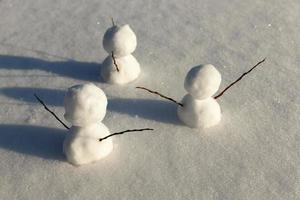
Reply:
x=120, y=67
x=85, y=108
x=198, y=108
x=89, y=139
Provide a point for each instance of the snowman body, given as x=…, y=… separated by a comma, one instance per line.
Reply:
x=129, y=69
x=85, y=107
x=82, y=146
x=120, y=66
x=200, y=109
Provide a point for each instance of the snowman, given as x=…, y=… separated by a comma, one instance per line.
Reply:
x=199, y=109
x=85, y=108
x=88, y=140
x=120, y=67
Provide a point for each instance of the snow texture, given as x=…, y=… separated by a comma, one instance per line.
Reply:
x=202, y=113
x=253, y=153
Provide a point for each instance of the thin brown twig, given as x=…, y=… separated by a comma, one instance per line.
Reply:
x=122, y=132
x=117, y=133
x=161, y=95
x=50, y=111
x=112, y=21
x=240, y=78
x=114, y=60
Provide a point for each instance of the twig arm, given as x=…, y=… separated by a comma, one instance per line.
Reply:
x=50, y=111
x=122, y=132
x=240, y=78
x=161, y=95
x=114, y=61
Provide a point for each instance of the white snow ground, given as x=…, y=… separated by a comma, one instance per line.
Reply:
x=47, y=46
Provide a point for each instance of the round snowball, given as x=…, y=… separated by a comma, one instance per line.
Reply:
x=129, y=69
x=120, y=40
x=82, y=145
x=85, y=104
x=199, y=113
x=202, y=81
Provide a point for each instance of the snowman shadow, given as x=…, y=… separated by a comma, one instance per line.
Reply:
x=157, y=110
x=36, y=141
x=53, y=97
x=88, y=71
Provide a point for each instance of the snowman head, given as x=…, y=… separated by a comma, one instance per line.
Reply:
x=85, y=104
x=202, y=81
x=119, y=39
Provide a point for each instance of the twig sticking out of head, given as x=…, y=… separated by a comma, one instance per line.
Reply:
x=244, y=74
x=50, y=111
x=122, y=132
x=161, y=95
x=114, y=60
x=112, y=21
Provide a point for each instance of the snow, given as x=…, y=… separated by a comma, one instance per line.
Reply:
x=202, y=81
x=128, y=69
x=120, y=66
x=84, y=104
x=82, y=145
x=201, y=114
x=120, y=40
x=253, y=153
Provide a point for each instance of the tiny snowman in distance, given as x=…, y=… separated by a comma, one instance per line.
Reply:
x=85, y=107
x=120, y=66
x=199, y=109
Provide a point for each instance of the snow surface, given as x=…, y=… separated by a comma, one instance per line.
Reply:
x=254, y=153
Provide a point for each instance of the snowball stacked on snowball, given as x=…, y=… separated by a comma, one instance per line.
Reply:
x=200, y=109
x=121, y=41
x=85, y=107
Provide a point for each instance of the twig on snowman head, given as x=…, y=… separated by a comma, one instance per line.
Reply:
x=114, y=60
x=237, y=80
x=112, y=21
x=122, y=132
x=50, y=111
x=161, y=95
